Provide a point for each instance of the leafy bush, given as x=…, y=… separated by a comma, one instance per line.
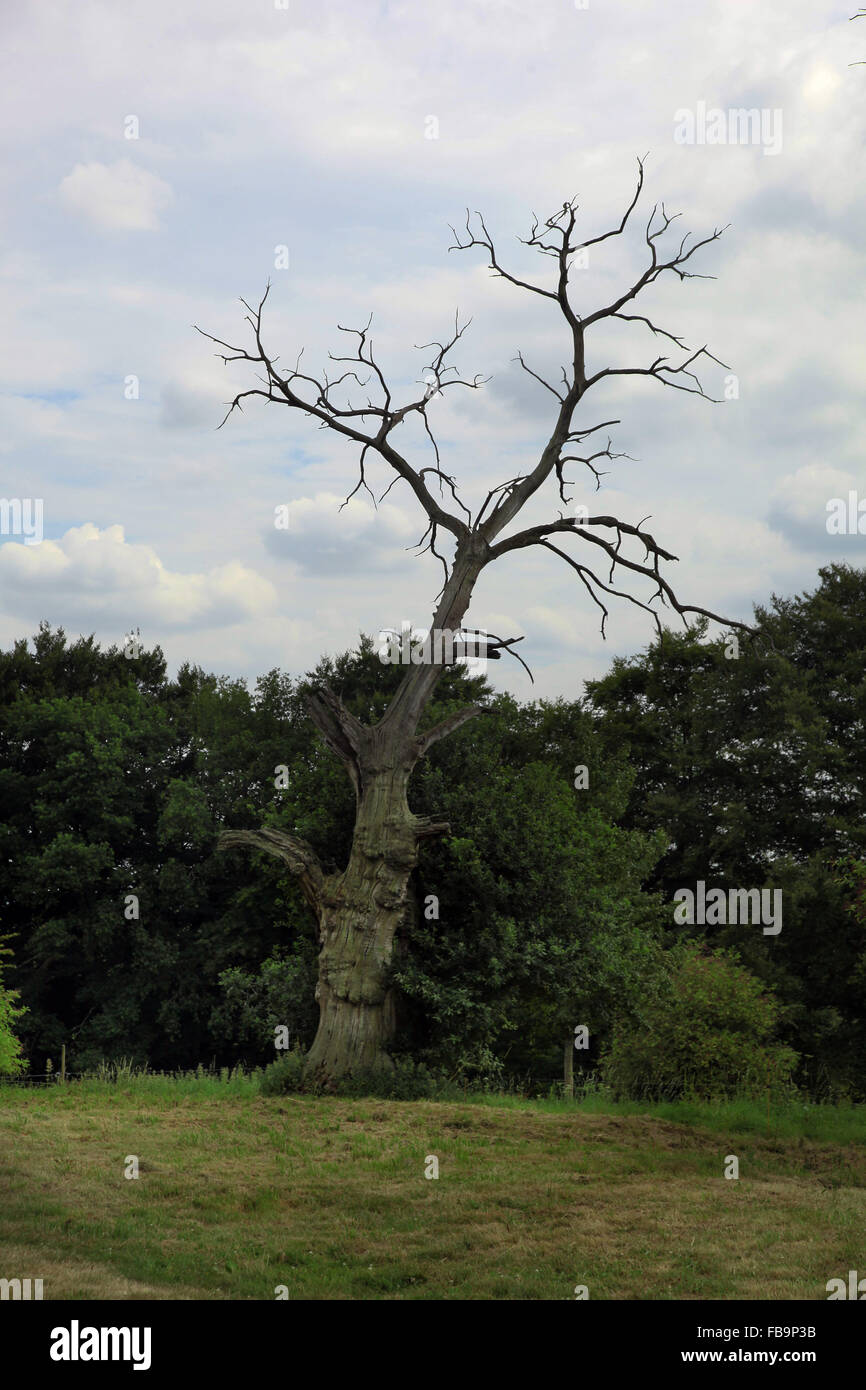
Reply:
x=281, y=992
x=708, y=1034
x=285, y=1075
x=11, y=1061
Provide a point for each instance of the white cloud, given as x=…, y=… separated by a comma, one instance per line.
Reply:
x=117, y=196
x=99, y=577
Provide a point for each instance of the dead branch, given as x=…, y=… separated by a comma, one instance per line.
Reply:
x=296, y=853
x=370, y=424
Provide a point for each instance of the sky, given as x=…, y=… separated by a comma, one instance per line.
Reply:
x=161, y=162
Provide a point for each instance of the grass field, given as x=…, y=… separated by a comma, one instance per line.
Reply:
x=238, y=1194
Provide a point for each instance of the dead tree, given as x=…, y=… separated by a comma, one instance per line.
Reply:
x=360, y=909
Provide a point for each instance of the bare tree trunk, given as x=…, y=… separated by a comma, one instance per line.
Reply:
x=368, y=903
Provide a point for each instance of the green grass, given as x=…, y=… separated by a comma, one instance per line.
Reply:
x=836, y=1124
x=239, y=1193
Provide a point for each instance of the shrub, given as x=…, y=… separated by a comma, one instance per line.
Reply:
x=285, y=1075
x=708, y=1034
x=281, y=992
x=11, y=1061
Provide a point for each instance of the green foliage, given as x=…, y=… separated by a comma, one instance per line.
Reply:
x=114, y=781
x=755, y=769
x=541, y=908
x=538, y=895
x=284, y=1076
x=282, y=992
x=708, y=1034
x=545, y=908
x=11, y=1061
x=406, y=1080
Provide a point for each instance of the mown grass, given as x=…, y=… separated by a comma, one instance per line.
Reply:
x=239, y=1193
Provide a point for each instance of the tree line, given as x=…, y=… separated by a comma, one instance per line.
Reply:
x=547, y=908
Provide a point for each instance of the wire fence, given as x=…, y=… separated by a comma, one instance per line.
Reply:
x=40, y=1078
